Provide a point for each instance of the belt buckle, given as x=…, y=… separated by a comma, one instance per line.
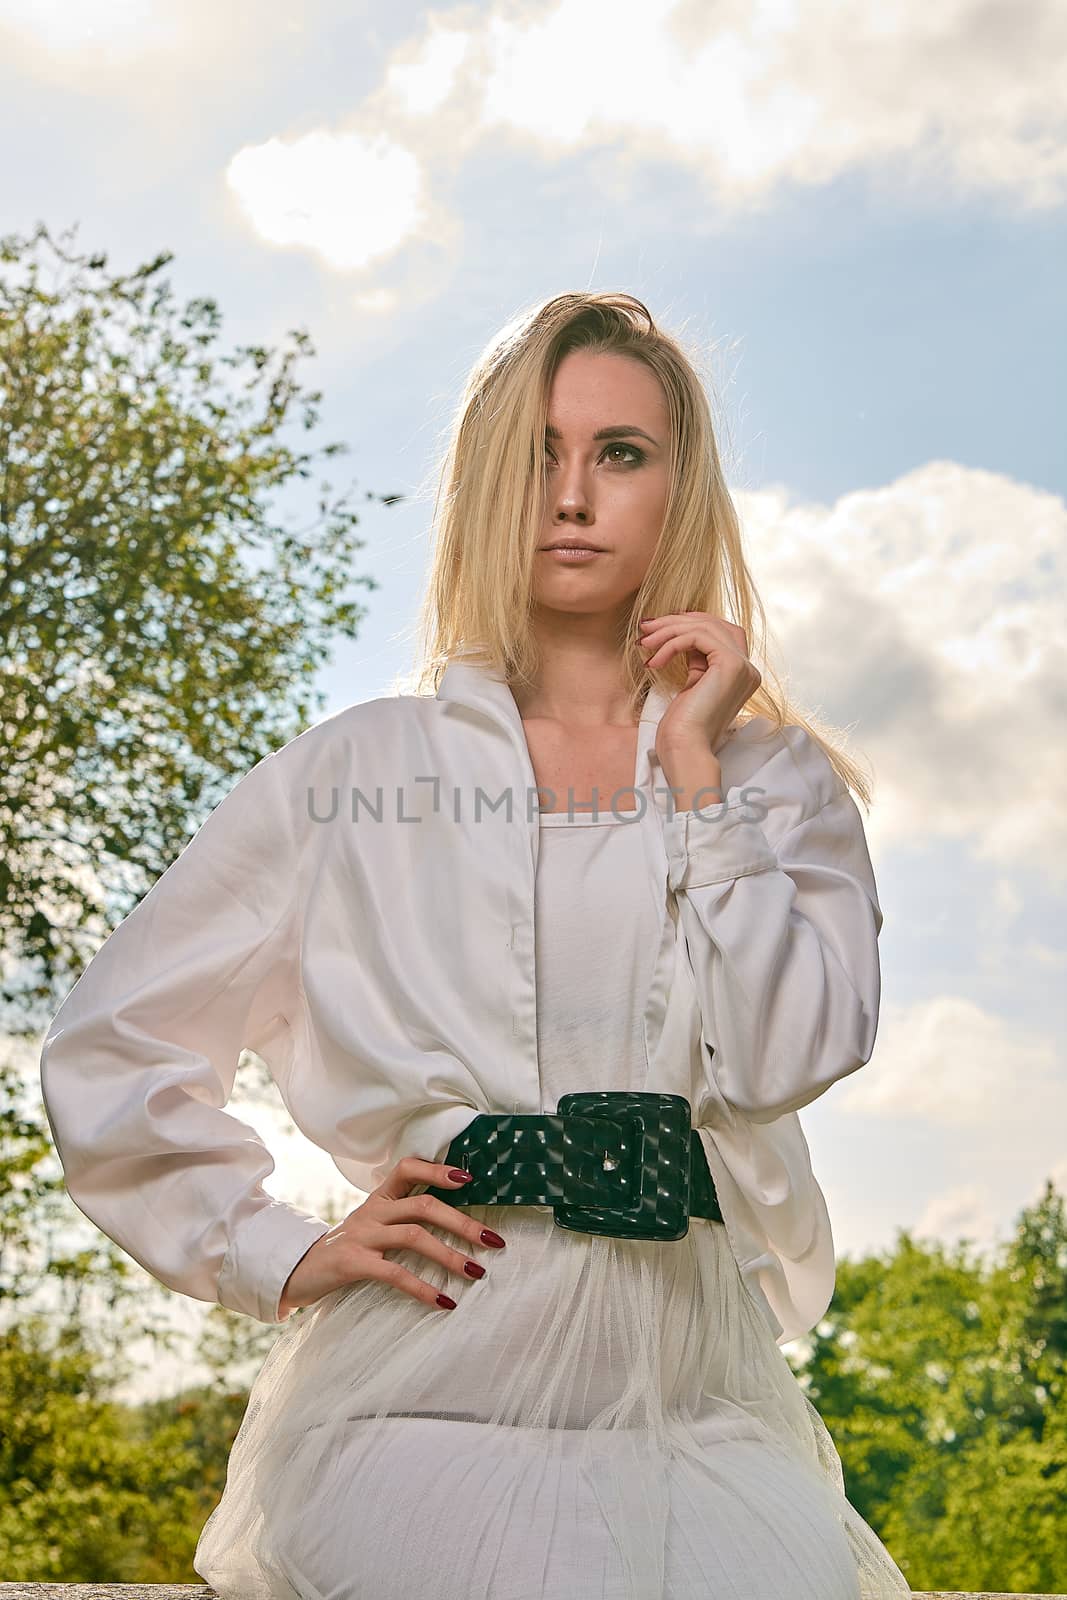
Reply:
x=660, y=1209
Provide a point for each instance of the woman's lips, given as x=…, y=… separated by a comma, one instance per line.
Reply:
x=572, y=557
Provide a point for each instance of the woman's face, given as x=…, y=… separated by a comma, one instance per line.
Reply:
x=609, y=492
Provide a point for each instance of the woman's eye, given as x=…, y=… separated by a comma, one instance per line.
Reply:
x=636, y=454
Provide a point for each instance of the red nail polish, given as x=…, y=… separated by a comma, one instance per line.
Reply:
x=473, y=1269
x=458, y=1176
x=489, y=1237
x=443, y=1300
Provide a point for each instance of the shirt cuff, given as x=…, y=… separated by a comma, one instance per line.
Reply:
x=263, y=1252
x=714, y=846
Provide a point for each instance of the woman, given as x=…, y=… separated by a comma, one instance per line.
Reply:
x=506, y=925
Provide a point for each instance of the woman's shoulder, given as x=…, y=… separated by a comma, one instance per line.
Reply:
x=362, y=723
x=787, y=762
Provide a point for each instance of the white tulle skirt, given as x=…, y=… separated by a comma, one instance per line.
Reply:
x=598, y=1419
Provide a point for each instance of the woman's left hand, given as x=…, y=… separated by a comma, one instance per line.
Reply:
x=721, y=677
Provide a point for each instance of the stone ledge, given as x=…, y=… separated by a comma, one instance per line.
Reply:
x=200, y=1591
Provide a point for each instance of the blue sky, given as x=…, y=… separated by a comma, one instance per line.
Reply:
x=854, y=216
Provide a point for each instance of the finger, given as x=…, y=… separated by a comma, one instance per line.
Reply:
x=410, y=1170
x=430, y=1211
x=674, y=616
x=700, y=638
x=690, y=620
x=412, y=1235
x=701, y=641
x=711, y=639
x=656, y=625
x=392, y=1272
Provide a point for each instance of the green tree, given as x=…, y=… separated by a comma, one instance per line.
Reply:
x=989, y=1507
x=940, y=1378
x=1036, y=1263
x=160, y=622
x=51, y=1264
x=92, y=1488
x=898, y=1326
x=86, y=1493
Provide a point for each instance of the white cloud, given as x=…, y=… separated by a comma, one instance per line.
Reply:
x=949, y=1063
x=958, y=1213
x=750, y=94
x=423, y=83
x=960, y=98
x=936, y=603
x=1044, y=955
x=352, y=198
x=115, y=29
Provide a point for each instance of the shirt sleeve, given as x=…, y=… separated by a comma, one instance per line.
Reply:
x=142, y=1055
x=781, y=921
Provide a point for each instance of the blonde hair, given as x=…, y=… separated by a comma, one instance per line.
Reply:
x=489, y=506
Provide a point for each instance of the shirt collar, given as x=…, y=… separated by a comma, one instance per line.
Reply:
x=485, y=688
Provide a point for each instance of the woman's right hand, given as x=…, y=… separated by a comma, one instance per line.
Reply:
x=391, y=1218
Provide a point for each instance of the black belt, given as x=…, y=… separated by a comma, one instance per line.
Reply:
x=628, y=1164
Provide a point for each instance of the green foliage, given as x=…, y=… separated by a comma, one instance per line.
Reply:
x=86, y=1493
x=160, y=622
x=93, y=1489
x=941, y=1380
x=51, y=1264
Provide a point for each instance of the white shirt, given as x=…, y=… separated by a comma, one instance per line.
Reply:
x=359, y=910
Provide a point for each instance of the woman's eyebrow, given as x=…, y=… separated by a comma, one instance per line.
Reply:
x=618, y=430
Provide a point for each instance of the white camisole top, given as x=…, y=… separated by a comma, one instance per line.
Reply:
x=596, y=934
